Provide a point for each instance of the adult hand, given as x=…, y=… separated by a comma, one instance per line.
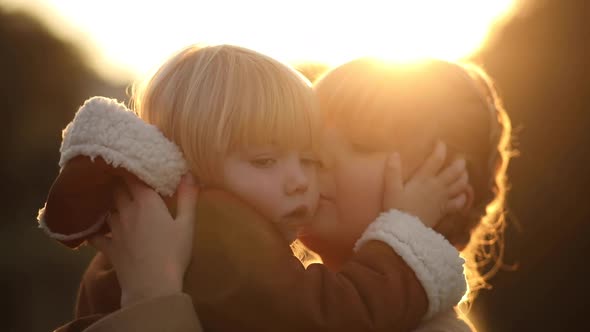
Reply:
x=430, y=193
x=149, y=249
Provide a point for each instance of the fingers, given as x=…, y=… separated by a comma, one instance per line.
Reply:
x=393, y=173
x=434, y=162
x=121, y=197
x=456, y=204
x=452, y=172
x=136, y=187
x=141, y=195
x=460, y=184
x=393, y=186
x=187, y=198
x=125, y=194
x=114, y=221
x=101, y=243
x=456, y=178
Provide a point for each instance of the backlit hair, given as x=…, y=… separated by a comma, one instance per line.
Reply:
x=211, y=100
x=382, y=107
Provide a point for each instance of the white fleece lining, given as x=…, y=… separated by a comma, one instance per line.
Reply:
x=69, y=237
x=435, y=261
x=105, y=128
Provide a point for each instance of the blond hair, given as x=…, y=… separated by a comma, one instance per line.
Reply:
x=381, y=106
x=211, y=100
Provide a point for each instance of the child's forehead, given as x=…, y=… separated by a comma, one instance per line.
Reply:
x=271, y=147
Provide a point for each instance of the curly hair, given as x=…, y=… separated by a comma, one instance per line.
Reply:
x=417, y=104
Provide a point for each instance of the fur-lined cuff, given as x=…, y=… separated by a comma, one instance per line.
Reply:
x=435, y=261
x=103, y=127
x=69, y=237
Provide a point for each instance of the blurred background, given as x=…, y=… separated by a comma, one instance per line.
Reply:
x=54, y=54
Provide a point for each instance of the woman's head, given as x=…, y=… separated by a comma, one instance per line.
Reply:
x=371, y=108
x=244, y=121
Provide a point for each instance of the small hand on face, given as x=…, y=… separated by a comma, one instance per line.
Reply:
x=432, y=192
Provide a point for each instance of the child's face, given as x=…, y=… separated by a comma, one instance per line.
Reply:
x=281, y=185
x=351, y=186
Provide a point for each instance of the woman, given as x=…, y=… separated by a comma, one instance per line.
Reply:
x=413, y=105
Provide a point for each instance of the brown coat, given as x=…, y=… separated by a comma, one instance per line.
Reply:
x=243, y=277
x=173, y=313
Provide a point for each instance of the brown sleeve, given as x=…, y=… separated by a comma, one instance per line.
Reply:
x=99, y=291
x=79, y=324
x=244, y=277
x=99, y=294
x=174, y=313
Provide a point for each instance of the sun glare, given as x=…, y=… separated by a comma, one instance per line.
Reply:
x=137, y=35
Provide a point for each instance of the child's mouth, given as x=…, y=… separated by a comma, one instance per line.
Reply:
x=297, y=218
x=298, y=213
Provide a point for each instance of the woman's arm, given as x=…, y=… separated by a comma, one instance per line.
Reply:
x=173, y=313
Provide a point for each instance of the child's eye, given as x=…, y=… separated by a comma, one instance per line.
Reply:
x=263, y=162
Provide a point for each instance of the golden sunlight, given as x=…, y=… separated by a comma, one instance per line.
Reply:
x=137, y=35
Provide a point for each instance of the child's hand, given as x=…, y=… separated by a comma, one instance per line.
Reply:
x=149, y=249
x=430, y=193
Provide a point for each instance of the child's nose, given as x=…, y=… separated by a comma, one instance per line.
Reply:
x=296, y=181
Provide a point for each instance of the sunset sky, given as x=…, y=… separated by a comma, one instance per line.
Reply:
x=124, y=39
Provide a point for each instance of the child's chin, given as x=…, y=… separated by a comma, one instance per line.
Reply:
x=289, y=236
x=315, y=239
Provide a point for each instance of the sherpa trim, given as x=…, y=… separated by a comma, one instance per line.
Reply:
x=435, y=261
x=105, y=128
x=69, y=237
